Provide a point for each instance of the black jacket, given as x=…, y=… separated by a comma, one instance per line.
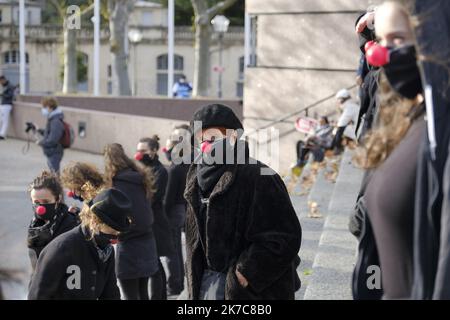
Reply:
x=68, y=256
x=8, y=93
x=161, y=226
x=250, y=225
x=131, y=183
x=176, y=184
x=53, y=133
x=136, y=249
x=41, y=233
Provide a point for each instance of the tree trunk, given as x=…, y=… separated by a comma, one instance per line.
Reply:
x=119, y=11
x=202, y=60
x=203, y=16
x=70, y=81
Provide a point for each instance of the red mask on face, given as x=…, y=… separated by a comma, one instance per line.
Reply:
x=377, y=55
x=206, y=146
x=138, y=156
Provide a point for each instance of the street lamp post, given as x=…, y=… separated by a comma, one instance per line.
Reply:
x=220, y=24
x=135, y=36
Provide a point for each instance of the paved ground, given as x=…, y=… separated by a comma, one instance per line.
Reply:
x=17, y=170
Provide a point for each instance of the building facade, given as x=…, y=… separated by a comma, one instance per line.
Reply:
x=301, y=52
x=44, y=45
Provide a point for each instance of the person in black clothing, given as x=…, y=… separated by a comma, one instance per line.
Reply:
x=137, y=258
x=53, y=133
x=390, y=151
x=51, y=215
x=175, y=204
x=147, y=153
x=242, y=232
x=368, y=76
x=6, y=105
x=79, y=264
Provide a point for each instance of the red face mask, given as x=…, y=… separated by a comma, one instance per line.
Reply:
x=206, y=146
x=139, y=156
x=377, y=55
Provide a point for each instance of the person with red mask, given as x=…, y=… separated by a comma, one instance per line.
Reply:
x=80, y=264
x=51, y=215
x=147, y=154
x=242, y=232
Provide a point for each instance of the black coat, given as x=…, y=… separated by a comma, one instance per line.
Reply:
x=136, y=249
x=175, y=188
x=40, y=234
x=250, y=225
x=8, y=93
x=54, y=273
x=54, y=131
x=161, y=226
x=432, y=202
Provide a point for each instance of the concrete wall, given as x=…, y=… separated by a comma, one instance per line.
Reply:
x=101, y=127
x=306, y=50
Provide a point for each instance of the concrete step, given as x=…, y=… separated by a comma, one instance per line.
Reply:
x=335, y=258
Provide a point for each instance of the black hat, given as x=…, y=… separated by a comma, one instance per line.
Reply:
x=216, y=115
x=113, y=208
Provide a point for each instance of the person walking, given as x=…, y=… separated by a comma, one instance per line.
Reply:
x=53, y=133
x=6, y=105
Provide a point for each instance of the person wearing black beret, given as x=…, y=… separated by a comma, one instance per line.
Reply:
x=79, y=264
x=242, y=232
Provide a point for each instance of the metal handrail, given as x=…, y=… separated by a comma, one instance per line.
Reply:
x=305, y=109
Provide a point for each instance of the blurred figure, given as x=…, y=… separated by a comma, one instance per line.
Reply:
x=317, y=143
x=147, y=154
x=175, y=204
x=347, y=120
x=181, y=88
x=53, y=133
x=6, y=105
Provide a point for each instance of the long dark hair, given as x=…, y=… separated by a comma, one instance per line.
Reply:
x=116, y=160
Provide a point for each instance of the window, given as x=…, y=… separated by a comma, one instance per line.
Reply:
x=146, y=18
x=163, y=62
x=1, y=16
x=13, y=56
x=162, y=66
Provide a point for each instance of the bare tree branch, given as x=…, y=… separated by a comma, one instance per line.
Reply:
x=221, y=6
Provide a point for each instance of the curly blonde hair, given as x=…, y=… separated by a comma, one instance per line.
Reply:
x=83, y=178
x=116, y=160
x=396, y=114
x=90, y=221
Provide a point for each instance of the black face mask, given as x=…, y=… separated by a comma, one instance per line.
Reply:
x=51, y=209
x=104, y=239
x=79, y=198
x=148, y=161
x=403, y=73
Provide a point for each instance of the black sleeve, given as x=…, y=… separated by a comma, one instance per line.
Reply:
x=111, y=290
x=48, y=274
x=161, y=184
x=171, y=189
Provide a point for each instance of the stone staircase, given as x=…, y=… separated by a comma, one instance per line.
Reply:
x=323, y=197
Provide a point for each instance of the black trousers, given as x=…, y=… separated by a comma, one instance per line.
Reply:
x=175, y=264
x=158, y=284
x=135, y=289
